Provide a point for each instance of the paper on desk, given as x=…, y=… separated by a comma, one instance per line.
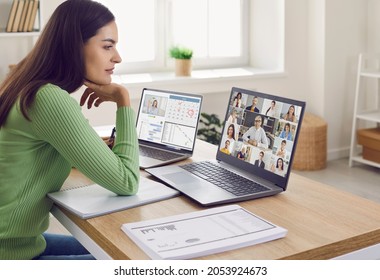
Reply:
x=201, y=233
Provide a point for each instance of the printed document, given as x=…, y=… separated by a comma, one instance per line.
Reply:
x=201, y=233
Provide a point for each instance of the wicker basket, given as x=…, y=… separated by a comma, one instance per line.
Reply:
x=311, y=150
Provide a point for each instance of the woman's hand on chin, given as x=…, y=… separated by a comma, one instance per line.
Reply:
x=96, y=94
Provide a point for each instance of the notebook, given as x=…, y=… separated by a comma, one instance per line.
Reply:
x=167, y=124
x=93, y=200
x=254, y=156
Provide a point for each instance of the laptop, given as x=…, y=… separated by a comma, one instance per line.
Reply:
x=167, y=124
x=254, y=156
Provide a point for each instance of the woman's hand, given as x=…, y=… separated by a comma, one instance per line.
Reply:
x=97, y=94
x=109, y=142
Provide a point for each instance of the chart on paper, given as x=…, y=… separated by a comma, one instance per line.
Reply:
x=201, y=232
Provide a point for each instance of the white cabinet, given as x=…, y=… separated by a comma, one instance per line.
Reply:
x=366, y=112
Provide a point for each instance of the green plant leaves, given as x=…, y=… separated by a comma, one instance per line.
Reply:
x=180, y=52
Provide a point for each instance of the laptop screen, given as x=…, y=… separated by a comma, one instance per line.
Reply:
x=169, y=118
x=260, y=133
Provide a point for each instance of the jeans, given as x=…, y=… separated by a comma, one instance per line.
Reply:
x=63, y=247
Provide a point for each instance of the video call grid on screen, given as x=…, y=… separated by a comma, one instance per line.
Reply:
x=260, y=131
x=168, y=118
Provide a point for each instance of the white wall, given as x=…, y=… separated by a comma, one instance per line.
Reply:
x=346, y=36
x=267, y=23
x=322, y=41
x=315, y=62
x=373, y=26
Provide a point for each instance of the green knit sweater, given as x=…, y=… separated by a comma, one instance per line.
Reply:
x=36, y=157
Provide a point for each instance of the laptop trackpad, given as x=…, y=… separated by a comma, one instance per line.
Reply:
x=182, y=178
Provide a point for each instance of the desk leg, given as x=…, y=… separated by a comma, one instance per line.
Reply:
x=80, y=235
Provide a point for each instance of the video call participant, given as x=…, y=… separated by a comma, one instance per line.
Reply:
x=279, y=167
x=226, y=148
x=153, y=109
x=237, y=100
x=242, y=154
x=282, y=152
x=290, y=115
x=233, y=117
x=286, y=133
x=256, y=135
x=271, y=112
x=260, y=161
x=231, y=135
x=253, y=107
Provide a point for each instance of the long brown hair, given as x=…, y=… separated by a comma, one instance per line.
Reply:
x=57, y=57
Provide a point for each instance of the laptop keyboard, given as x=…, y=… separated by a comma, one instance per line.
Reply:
x=157, y=154
x=223, y=178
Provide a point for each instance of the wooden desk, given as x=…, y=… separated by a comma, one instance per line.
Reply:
x=322, y=222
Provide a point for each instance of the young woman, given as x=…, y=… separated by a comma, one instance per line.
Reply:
x=279, y=167
x=230, y=132
x=271, y=112
x=43, y=133
x=286, y=133
x=237, y=100
x=154, y=108
x=290, y=115
x=233, y=117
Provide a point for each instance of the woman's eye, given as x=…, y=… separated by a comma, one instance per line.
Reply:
x=108, y=47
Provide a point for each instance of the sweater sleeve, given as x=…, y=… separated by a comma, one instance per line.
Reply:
x=58, y=120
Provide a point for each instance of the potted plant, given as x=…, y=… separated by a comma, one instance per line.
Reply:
x=182, y=58
x=210, y=128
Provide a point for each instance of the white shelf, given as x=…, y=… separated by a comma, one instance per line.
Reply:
x=370, y=74
x=373, y=116
x=368, y=67
x=19, y=34
x=360, y=159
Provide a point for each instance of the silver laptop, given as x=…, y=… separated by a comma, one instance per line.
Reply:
x=254, y=156
x=167, y=124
